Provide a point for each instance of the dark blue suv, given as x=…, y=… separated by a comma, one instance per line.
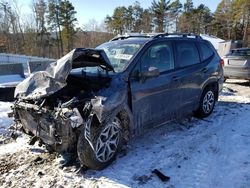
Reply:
x=93, y=100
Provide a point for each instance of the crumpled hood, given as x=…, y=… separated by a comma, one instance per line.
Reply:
x=44, y=83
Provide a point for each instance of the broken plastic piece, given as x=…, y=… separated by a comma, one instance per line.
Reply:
x=33, y=140
x=161, y=175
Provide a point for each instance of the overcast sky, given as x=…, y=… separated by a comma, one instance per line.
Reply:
x=98, y=9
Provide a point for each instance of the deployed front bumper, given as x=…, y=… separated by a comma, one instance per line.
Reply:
x=52, y=127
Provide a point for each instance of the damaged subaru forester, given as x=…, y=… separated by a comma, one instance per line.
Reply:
x=92, y=101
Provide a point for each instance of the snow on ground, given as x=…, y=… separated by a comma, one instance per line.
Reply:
x=5, y=122
x=213, y=152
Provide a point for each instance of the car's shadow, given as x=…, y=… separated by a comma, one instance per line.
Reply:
x=245, y=83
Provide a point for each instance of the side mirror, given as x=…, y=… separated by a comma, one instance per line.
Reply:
x=152, y=72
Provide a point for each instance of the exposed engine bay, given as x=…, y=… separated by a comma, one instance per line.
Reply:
x=54, y=119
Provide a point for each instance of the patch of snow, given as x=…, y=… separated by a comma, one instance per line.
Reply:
x=5, y=122
x=212, y=152
x=5, y=107
x=18, y=145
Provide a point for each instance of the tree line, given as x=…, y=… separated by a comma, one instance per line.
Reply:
x=229, y=21
x=52, y=24
x=51, y=30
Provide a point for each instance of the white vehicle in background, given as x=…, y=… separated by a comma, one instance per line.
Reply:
x=237, y=64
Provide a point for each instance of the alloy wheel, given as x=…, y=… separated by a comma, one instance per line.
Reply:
x=108, y=141
x=208, y=102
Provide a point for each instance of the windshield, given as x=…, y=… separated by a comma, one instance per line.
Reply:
x=119, y=54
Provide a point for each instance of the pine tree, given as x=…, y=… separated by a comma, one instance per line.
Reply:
x=146, y=24
x=54, y=24
x=175, y=10
x=223, y=22
x=159, y=9
x=67, y=21
x=188, y=6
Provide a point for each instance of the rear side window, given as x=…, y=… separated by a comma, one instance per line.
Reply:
x=206, y=51
x=187, y=53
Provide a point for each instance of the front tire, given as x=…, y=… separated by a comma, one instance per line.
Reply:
x=207, y=103
x=105, y=140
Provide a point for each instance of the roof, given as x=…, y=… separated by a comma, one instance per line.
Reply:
x=143, y=38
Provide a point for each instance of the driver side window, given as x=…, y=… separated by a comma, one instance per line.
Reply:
x=158, y=56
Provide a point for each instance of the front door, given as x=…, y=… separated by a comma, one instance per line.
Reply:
x=155, y=100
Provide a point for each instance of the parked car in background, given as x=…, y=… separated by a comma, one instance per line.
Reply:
x=94, y=100
x=237, y=64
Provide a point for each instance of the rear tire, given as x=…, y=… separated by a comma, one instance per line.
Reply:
x=106, y=141
x=206, y=104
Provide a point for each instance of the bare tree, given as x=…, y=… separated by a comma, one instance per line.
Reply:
x=54, y=24
x=40, y=8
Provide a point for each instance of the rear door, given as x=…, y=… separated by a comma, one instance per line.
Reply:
x=155, y=100
x=190, y=74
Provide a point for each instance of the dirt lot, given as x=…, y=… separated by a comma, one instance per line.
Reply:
x=213, y=152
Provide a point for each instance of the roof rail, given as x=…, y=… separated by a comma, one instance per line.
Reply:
x=154, y=35
x=126, y=36
x=177, y=34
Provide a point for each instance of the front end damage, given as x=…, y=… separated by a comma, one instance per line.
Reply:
x=55, y=128
x=59, y=127
x=56, y=116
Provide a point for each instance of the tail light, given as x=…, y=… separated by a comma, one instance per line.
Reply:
x=222, y=62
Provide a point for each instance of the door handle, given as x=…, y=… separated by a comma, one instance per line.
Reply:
x=175, y=78
x=204, y=70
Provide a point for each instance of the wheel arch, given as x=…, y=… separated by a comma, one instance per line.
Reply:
x=125, y=116
x=211, y=84
x=199, y=111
